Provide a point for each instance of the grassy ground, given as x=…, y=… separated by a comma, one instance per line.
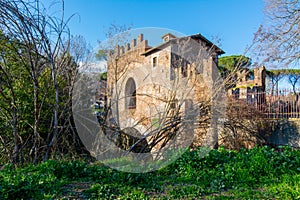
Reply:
x=259, y=173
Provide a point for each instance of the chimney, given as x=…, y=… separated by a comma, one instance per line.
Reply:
x=168, y=37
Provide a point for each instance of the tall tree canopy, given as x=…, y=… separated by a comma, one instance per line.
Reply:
x=229, y=65
x=234, y=62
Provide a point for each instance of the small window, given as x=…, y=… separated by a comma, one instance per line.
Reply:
x=172, y=74
x=188, y=107
x=173, y=104
x=154, y=61
x=174, y=107
x=184, y=71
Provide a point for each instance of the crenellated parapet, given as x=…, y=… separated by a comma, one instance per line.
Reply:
x=136, y=44
x=258, y=81
x=251, y=90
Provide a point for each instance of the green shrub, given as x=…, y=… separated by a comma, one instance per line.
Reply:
x=101, y=191
x=261, y=172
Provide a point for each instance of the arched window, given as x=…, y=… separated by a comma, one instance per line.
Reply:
x=130, y=94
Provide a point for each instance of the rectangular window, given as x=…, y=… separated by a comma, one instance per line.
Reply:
x=174, y=108
x=184, y=71
x=172, y=73
x=189, y=108
x=154, y=61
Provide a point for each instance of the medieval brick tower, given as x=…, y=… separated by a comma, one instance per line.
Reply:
x=148, y=84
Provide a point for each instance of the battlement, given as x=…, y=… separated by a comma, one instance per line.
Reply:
x=137, y=44
x=258, y=81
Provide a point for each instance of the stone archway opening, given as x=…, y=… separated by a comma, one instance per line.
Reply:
x=130, y=94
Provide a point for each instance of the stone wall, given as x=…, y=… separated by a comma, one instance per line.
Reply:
x=284, y=132
x=249, y=133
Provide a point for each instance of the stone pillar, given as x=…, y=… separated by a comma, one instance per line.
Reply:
x=127, y=48
x=133, y=43
x=140, y=38
x=122, y=49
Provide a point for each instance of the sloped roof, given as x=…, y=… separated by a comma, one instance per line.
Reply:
x=218, y=50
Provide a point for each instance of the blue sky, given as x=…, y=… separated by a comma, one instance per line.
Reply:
x=232, y=21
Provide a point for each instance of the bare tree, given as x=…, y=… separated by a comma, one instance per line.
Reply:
x=68, y=73
x=294, y=80
x=245, y=126
x=274, y=77
x=42, y=39
x=10, y=112
x=277, y=40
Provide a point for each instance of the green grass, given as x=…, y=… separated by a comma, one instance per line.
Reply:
x=259, y=173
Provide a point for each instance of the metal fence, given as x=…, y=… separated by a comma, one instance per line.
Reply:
x=278, y=104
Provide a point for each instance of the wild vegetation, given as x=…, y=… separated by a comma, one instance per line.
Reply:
x=38, y=65
x=42, y=157
x=261, y=172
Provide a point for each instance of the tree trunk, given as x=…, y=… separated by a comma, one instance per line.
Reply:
x=15, y=157
x=55, y=114
x=36, y=120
